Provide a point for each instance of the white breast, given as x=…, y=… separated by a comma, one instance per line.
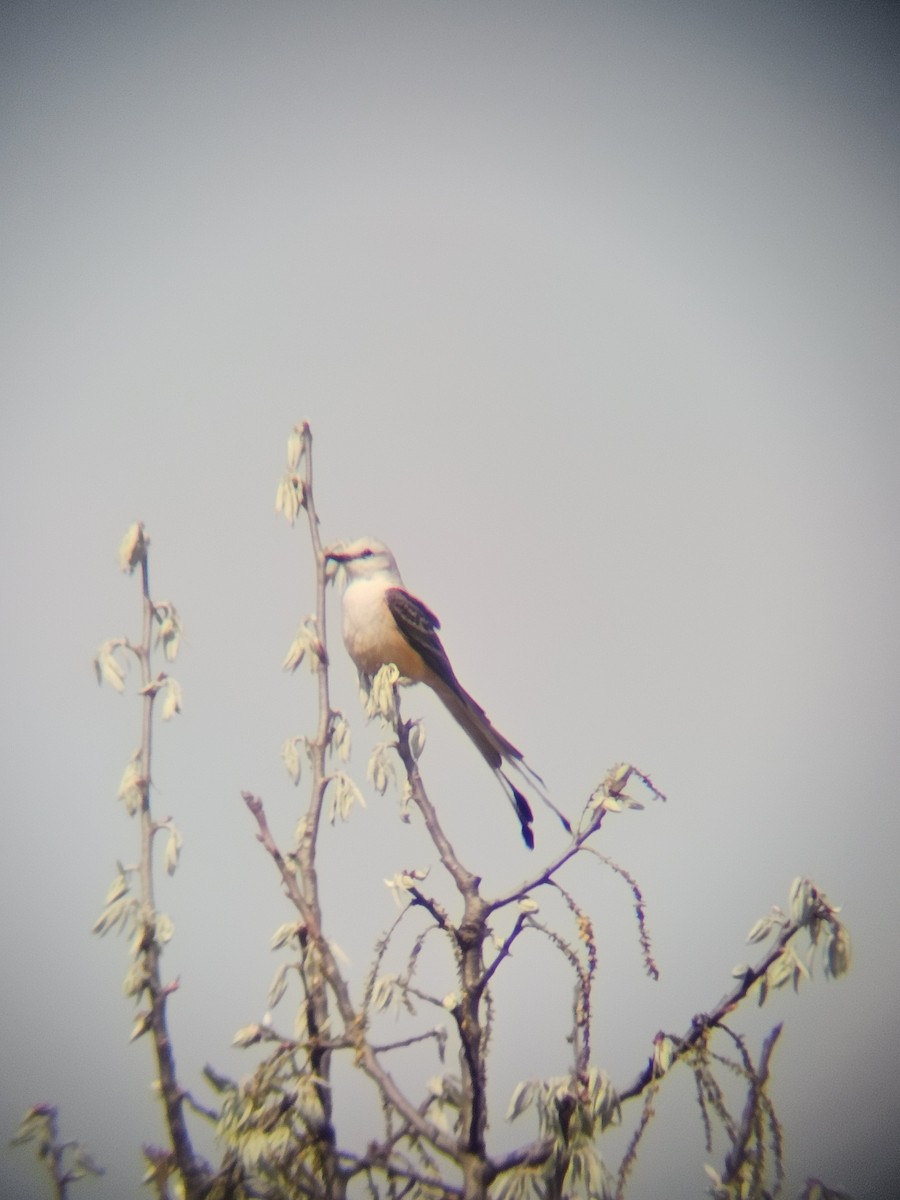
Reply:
x=371, y=634
x=367, y=624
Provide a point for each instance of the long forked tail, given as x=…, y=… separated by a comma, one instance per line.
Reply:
x=497, y=750
x=520, y=805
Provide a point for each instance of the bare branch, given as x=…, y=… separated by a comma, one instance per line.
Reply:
x=504, y=951
x=150, y=924
x=466, y=882
x=701, y=1024
x=279, y=1122
x=639, y=909
x=428, y=1036
x=737, y=1156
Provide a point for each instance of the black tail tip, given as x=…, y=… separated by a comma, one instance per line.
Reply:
x=525, y=815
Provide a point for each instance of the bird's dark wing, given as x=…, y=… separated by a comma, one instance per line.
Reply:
x=419, y=626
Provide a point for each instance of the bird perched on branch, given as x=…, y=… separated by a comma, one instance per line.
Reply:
x=384, y=623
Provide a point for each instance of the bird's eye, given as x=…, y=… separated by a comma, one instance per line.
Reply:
x=367, y=553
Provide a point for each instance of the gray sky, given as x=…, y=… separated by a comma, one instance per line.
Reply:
x=595, y=305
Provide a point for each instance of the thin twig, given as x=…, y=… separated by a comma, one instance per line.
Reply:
x=429, y=1035
x=193, y=1174
x=353, y=1022
x=703, y=1023
x=504, y=951
x=758, y=1079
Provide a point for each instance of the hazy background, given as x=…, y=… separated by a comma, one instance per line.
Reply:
x=594, y=311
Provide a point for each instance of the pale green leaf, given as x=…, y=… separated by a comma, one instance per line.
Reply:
x=761, y=930
x=343, y=794
x=173, y=849
x=338, y=953
x=340, y=738
x=306, y=643
x=837, y=952
x=382, y=699
x=663, y=1054
x=278, y=986
x=285, y=934
x=133, y=547
x=83, y=1164
x=386, y=993
x=140, y=1027
x=290, y=497
x=247, y=1035
x=417, y=738
x=172, y=699
x=380, y=770
x=136, y=979
x=169, y=631
x=521, y=1099
x=108, y=668
x=802, y=900
x=295, y=448
x=117, y=888
x=290, y=756
x=782, y=969
x=618, y=777
x=115, y=914
x=164, y=928
x=132, y=785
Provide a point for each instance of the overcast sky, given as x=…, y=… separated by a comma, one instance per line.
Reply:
x=594, y=311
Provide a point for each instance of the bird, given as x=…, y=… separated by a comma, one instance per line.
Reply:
x=384, y=623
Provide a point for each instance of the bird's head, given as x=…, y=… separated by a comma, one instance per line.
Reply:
x=365, y=558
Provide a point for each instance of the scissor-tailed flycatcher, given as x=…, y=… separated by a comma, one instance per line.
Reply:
x=384, y=623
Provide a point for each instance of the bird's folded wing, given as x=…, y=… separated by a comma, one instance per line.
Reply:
x=419, y=626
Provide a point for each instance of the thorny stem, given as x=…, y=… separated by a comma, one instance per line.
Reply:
x=193, y=1174
x=300, y=881
x=317, y=1017
x=470, y=936
x=354, y=1021
x=546, y=874
x=467, y=884
x=702, y=1023
x=41, y=1124
x=738, y=1153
